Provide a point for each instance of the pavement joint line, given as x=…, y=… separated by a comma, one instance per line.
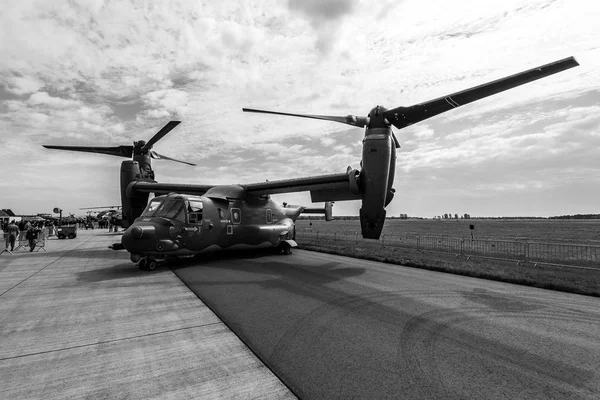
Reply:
x=35, y=273
x=110, y=341
x=244, y=341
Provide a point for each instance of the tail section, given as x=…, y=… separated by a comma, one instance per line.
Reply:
x=327, y=210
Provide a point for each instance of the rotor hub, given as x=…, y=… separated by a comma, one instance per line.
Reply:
x=377, y=118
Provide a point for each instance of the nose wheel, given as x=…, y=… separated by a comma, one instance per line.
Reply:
x=147, y=264
x=285, y=248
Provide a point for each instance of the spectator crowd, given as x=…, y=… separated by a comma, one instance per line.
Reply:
x=32, y=230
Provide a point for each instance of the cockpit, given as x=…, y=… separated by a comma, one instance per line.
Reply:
x=187, y=210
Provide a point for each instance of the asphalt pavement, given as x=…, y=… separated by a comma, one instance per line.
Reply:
x=333, y=327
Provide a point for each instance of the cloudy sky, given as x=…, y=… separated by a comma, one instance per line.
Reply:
x=110, y=72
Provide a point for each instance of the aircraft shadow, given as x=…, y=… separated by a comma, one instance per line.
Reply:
x=266, y=260
x=291, y=313
x=111, y=273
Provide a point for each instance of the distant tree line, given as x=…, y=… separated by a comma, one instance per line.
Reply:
x=450, y=216
x=577, y=216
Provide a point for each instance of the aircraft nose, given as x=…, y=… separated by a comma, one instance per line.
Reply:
x=135, y=237
x=136, y=231
x=139, y=232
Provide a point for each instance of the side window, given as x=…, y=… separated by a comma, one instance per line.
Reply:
x=269, y=216
x=236, y=215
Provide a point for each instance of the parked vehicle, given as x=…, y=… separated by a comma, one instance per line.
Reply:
x=64, y=232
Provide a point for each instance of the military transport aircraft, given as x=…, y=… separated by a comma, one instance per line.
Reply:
x=184, y=218
x=106, y=213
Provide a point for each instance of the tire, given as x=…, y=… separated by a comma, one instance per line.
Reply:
x=61, y=236
x=152, y=265
x=286, y=248
x=71, y=236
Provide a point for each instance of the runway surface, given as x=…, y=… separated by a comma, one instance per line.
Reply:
x=80, y=321
x=336, y=327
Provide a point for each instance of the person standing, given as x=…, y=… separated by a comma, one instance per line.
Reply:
x=32, y=235
x=13, y=234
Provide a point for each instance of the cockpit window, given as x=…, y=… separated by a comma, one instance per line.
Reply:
x=153, y=206
x=195, y=211
x=166, y=208
x=195, y=206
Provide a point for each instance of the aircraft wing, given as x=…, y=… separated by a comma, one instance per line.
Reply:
x=160, y=188
x=333, y=187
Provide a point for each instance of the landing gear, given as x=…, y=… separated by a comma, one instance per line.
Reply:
x=152, y=264
x=285, y=248
x=142, y=264
x=148, y=264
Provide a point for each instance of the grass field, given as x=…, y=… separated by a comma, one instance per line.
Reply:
x=583, y=281
x=535, y=229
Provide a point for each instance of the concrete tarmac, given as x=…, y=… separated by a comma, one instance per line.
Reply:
x=81, y=321
x=338, y=328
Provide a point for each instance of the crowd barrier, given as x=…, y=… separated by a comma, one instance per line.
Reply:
x=22, y=243
x=520, y=250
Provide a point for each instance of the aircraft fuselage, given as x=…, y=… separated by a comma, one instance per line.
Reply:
x=178, y=224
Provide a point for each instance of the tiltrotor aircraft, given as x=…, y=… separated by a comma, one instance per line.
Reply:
x=184, y=219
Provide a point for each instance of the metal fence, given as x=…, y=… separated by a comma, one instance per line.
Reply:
x=522, y=250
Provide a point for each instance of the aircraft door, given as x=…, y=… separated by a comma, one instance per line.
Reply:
x=236, y=219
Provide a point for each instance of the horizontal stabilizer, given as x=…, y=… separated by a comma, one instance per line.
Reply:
x=327, y=210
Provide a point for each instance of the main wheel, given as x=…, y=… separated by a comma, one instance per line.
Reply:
x=61, y=236
x=152, y=265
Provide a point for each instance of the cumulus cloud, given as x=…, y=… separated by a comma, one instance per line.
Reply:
x=84, y=73
x=43, y=98
x=21, y=85
x=324, y=17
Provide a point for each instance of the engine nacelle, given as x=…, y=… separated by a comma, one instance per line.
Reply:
x=377, y=163
x=134, y=202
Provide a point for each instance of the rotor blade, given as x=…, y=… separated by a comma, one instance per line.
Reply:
x=157, y=156
x=402, y=117
x=349, y=119
x=160, y=134
x=119, y=151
